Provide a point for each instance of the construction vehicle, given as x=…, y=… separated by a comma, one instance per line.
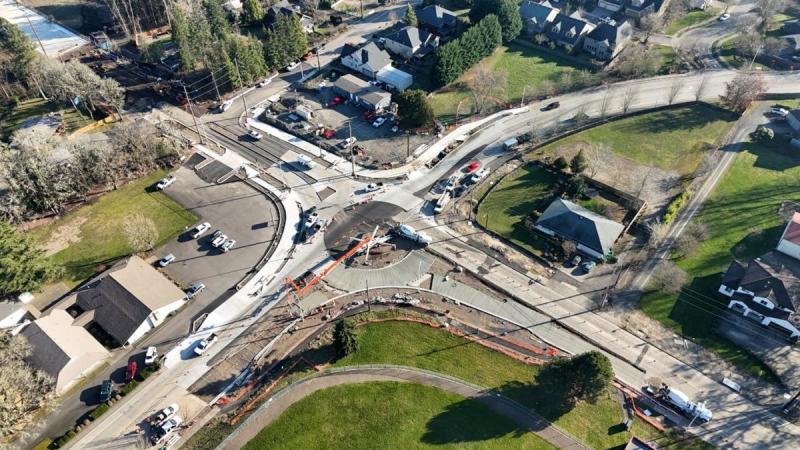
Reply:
x=681, y=401
x=444, y=199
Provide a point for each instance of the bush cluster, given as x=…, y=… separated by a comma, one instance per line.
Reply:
x=675, y=206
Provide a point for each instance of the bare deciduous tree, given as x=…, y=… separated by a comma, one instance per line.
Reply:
x=700, y=91
x=674, y=89
x=692, y=236
x=486, y=84
x=140, y=232
x=628, y=97
x=743, y=90
x=657, y=233
x=25, y=389
x=651, y=23
x=605, y=103
x=668, y=277
x=767, y=10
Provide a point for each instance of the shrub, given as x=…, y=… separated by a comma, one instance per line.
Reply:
x=675, y=206
x=763, y=135
x=345, y=337
x=99, y=411
x=560, y=163
x=576, y=186
x=130, y=386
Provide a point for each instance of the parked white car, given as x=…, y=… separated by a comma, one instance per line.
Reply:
x=345, y=144
x=219, y=240
x=378, y=122
x=166, y=413
x=724, y=17
x=305, y=161
x=165, y=261
x=781, y=112
x=226, y=105
x=165, y=182
x=150, y=356
x=480, y=174
x=264, y=82
x=255, y=135
x=194, y=290
x=200, y=229
x=228, y=245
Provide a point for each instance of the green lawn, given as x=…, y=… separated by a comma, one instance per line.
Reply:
x=392, y=415
x=667, y=54
x=672, y=139
x=505, y=207
x=416, y=345
x=24, y=110
x=526, y=66
x=94, y=231
x=691, y=18
x=743, y=222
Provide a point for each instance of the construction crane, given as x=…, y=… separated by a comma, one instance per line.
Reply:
x=301, y=287
x=373, y=242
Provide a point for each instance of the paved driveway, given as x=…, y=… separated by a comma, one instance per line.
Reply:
x=241, y=212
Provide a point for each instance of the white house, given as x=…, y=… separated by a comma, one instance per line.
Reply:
x=127, y=301
x=367, y=60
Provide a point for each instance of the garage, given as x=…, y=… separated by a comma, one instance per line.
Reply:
x=395, y=78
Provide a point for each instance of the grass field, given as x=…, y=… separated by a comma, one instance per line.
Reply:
x=743, y=222
x=412, y=344
x=670, y=140
x=392, y=415
x=24, y=110
x=691, y=18
x=506, y=206
x=526, y=66
x=92, y=235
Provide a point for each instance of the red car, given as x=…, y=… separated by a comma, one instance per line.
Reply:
x=328, y=134
x=473, y=166
x=130, y=373
x=368, y=115
x=336, y=101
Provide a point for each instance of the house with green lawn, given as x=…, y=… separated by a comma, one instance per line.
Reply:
x=593, y=234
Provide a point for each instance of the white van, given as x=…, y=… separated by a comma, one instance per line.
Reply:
x=305, y=161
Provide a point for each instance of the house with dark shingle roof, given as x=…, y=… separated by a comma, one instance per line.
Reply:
x=411, y=42
x=607, y=39
x=127, y=300
x=767, y=289
x=611, y=5
x=367, y=60
x=536, y=17
x=593, y=234
x=568, y=32
x=437, y=20
x=63, y=350
x=362, y=93
x=287, y=9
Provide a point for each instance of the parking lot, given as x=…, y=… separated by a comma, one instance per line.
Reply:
x=376, y=147
x=241, y=212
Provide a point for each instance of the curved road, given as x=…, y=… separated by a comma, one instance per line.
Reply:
x=295, y=392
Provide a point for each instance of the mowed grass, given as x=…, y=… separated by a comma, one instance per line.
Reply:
x=743, y=222
x=689, y=19
x=392, y=415
x=28, y=109
x=672, y=139
x=504, y=209
x=526, y=66
x=94, y=232
x=416, y=345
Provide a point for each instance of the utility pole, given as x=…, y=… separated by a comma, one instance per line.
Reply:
x=369, y=307
x=352, y=148
x=362, y=8
x=239, y=74
x=319, y=66
x=754, y=57
x=610, y=287
x=214, y=80
x=191, y=111
x=408, y=145
x=36, y=34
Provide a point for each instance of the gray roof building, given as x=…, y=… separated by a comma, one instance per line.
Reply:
x=607, y=39
x=593, y=233
x=566, y=30
x=363, y=93
x=130, y=295
x=536, y=16
x=437, y=20
x=411, y=42
x=368, y=60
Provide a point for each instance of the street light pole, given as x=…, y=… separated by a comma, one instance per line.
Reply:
x=352, y=148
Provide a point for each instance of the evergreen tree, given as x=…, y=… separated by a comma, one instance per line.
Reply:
x=510, y=20
x=345, y=338
x=23, y=266
x=585, y=377
x=18, y=47
x=252, y=12
x=410, y=17
x=578, y=163
x=182, y=38
x=217, y=18
x=449, y=63
x=250, y=55
x=414, y=110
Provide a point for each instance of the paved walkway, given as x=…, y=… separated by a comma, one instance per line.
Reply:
x=409, y=269
x=276, y=405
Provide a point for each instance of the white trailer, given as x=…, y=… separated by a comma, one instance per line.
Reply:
x=696, y=411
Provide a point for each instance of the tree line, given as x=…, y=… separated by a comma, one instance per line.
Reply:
x=457, y=56
x=45, y=173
